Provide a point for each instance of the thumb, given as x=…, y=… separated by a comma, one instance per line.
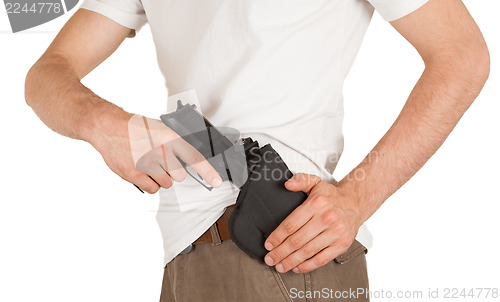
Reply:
x=302, y=182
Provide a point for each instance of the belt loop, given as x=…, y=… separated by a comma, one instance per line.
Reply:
x=308, y=286
x=215, y=234
x=281, y=284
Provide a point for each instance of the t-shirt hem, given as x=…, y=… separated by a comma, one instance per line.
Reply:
x=128, y=20
x=404, y=8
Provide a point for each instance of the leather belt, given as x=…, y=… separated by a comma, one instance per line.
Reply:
x=221, y=226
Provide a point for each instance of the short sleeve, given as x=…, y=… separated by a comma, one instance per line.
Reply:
x=392, y=10
x=129, y=13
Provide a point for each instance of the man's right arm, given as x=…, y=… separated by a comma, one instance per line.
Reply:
x=53, y=87
x=54, y=91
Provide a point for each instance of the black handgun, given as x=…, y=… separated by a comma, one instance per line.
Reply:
x=228, y=158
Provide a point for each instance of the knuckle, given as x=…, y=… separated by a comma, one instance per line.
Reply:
x=295, y=242
x=289, y=226
x=308, y=251
x=196, y=157
x=311, y=179
x=276, y=255
x=300, y=176
x=315, y=178
x=329, y=217
x=319, y=202
x=340, y=228
x=320, y=261
x=289, y=263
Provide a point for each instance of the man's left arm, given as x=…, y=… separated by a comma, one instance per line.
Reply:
x=456, y=68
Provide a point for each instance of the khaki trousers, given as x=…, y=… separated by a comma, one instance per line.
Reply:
x=211, y=273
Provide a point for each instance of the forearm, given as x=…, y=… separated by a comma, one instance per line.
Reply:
x=436, y=104
x=457, y=66
x=54, y=91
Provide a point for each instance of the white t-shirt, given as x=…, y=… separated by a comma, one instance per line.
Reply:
x=273, y=69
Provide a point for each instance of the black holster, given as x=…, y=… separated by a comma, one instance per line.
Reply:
x=263, y=202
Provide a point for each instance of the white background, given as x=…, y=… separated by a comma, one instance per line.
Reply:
x=71, y=230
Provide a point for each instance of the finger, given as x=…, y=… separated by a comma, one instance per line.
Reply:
x=319, y=260
x=145, y=183
x=150, y=163
x=307, y=251
x=163, y=180
x=298, y=218
x=338, y=247
x=161, y=177
x=302, y=182
x=295, y=241
x=195, y=159
x=172, y=165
